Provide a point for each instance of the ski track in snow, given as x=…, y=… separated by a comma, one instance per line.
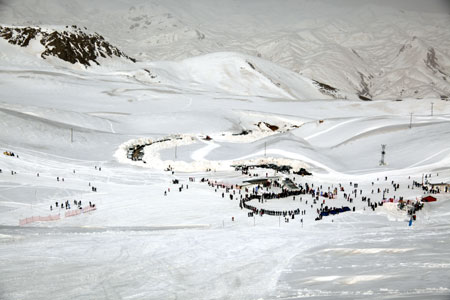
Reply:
x=331, y=128
x=111, y=125
x=201, y=153
x=429, y=157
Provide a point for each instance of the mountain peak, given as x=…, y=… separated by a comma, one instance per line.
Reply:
x=71, y=44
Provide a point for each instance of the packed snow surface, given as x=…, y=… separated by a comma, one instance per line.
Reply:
x=71, y=130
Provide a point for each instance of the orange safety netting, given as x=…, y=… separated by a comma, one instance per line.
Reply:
x=39, y=219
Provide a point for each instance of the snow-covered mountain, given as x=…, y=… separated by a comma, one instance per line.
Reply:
x=71, y=44
x=368, y=53
x=221, y=72
x=126, y=179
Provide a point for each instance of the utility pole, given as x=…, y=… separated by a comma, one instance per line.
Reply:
x=432, y=108
x=71, y=135
x=410, y=120
x=265, y=148
x=383, y=152
x=175, y=151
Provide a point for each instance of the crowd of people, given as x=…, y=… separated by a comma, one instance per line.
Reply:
x=274, y=189
x=314, y=197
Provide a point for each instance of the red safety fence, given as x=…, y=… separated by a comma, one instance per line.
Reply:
x=225, y=185
x=76, y=212
x=72, y=213
x=39, y=219
x=88, y=209
x=69, y=213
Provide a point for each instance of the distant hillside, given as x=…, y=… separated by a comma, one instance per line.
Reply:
x=72, y=45
x=237, y=74
x=372, y=52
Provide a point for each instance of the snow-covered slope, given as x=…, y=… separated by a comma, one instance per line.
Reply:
x=215, y=86
x=227, y=72
x=372, y=52
x=236, y=74
x=194, y=244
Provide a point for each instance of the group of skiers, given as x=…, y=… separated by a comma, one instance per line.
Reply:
x=67, y=205
x=180, y=188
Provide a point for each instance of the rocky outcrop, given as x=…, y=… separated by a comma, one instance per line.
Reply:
x=72, y=45
x=327, y=89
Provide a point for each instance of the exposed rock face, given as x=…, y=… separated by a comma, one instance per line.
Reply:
x=327, y=89
x=72, y=45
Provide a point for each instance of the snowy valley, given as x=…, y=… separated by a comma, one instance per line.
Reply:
x=162, y=150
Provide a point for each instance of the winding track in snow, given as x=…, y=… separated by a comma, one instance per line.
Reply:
x=201, y=153
x=331, y=128
x=429, y=157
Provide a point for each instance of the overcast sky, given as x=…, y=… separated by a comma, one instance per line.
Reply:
x=206, y=13
x=416, y=5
